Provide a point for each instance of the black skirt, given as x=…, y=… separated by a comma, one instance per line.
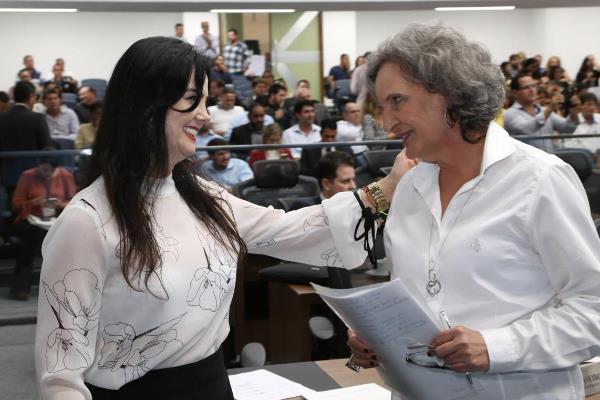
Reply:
x=205, y=379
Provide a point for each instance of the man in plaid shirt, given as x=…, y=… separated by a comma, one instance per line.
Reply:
x=236, y=54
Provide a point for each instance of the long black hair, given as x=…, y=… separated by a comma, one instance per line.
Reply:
x=131, y=147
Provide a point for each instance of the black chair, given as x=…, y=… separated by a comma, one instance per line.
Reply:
x=343, y=93
x=580, y=159
x=377, y=159
x=583, y=163
x=276, y=179
x=67, y=161
x=69, y=100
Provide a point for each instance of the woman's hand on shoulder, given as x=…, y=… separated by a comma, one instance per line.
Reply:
x=402, y=164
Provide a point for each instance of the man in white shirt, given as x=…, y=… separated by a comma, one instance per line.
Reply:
x=305, y=131
x=224, y=169
x=526, y=117
x=62, y=121
x=179, y=32
x=589, y=124
x=349, y=129
x=222, y=114
x=207, y=43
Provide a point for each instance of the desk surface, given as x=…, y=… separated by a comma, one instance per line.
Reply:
x=328, y=374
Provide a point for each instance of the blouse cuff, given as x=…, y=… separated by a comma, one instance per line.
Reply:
x=343, y=213
x=502, y=349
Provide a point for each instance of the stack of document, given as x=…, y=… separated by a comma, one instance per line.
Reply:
x=265, y=385
x=397, y=327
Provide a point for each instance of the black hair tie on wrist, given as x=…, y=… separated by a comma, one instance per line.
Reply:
x=370, y=229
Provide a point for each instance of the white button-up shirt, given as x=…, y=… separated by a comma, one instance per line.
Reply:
x=586, y=128
x=348, y=132
x=518, y=258
x=295, y=135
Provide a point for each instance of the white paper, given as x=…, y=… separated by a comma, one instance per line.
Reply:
x=264, y=385
x=390, y=320
x=256, y=67
x=370, y=391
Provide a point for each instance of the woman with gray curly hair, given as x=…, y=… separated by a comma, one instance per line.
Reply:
x=486, y=230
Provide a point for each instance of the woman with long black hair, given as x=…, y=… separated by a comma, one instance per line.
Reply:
x=140, y=268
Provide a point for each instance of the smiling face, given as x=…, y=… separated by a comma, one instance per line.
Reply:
x=181, y=127
x=412, y=113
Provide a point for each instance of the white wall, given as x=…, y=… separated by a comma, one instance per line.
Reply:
x=90, y=42
x=569, y=33
x=339, y=36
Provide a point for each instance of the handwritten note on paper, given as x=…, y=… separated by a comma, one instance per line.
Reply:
x=392, y=322
x=265, y=385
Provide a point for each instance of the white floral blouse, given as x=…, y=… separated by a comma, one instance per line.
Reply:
x=93, y=327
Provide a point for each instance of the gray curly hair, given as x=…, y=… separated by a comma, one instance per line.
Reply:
x=443, y=61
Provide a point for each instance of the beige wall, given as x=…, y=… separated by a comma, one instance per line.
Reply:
x=256, y=26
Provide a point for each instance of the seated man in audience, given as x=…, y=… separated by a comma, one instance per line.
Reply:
x=589, y=123
x=87, y=132
x=310, y=157
x=335, y=173
x=219, y=71
x=222, y=114
x=259, y=93
x=305, y=131
x=526, y=117
x=215, y=90
x=276, y=98
x=4, y=102
x=65, y=84
x=21, y=129
x=22, y=76
x=288, y=104
x=61, y=120
x=349, y=129
x=303, y=93
x=204, y=136
x=224, y=169
x=87, y=99
x=28, y=63
x=250, y=133
x=270, y=135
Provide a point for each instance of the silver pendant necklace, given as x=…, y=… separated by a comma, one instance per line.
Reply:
x=434, y=286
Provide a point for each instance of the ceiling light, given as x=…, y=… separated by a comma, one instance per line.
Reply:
x=55, y=10
x=490, y=8
x=264, y=10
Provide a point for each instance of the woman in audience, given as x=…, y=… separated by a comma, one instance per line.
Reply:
x=492, y=231
x=271, y=135
x=87, y=132
x=588, y=72
x=140, y=268
x=41, y=193
x=219, y=70
x=372, y=123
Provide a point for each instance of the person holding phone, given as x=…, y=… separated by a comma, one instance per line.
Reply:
x=42, y=192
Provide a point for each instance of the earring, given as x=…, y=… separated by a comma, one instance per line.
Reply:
x=450, y=119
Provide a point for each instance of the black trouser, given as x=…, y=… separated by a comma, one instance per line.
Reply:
x=203, y=380
x=30, y=239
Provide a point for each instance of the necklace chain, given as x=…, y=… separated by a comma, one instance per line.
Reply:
x=434, y=286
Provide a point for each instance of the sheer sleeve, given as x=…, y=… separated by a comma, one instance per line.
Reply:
x=71, y=282
x=319, y=235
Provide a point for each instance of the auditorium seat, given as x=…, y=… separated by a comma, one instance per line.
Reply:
x=583, y=163
x=99, y=86
x=275, y=179
x=69, y=100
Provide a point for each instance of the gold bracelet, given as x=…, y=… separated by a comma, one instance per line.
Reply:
x=377, y=195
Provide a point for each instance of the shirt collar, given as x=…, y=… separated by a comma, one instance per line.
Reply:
x=498, y=146
x=519, y=106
